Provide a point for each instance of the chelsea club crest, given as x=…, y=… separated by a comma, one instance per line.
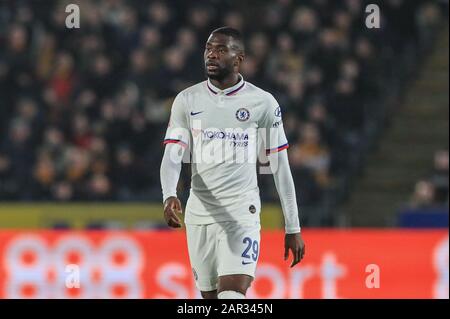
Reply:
x=243, y=114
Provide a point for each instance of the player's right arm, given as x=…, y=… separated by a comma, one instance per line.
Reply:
x=176, y=143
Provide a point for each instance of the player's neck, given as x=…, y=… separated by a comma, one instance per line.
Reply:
x=226, y=83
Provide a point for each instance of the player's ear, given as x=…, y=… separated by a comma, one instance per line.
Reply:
x=239, y=58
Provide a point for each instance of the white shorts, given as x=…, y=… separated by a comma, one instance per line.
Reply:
x=220, y=249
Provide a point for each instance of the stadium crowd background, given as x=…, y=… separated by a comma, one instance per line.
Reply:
x=83, y=112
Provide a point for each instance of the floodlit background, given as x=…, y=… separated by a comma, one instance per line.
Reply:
x=83, y=113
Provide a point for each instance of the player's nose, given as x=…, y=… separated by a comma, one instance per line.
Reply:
x=212, y=55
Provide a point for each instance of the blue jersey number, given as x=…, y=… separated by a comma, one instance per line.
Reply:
x=251, y=245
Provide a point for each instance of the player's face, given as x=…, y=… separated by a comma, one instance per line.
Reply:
x=221, y=59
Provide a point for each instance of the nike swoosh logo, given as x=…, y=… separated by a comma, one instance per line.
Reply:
x=247, y=262
x=196, y=113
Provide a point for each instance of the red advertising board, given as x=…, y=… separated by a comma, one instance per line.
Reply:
x=337, y=264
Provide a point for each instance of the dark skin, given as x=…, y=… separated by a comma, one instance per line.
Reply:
x=223, y=58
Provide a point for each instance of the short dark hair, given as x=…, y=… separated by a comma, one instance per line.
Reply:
x=231, y=32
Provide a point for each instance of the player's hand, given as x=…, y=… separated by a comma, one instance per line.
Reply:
x=172, y=207
x=295, y=244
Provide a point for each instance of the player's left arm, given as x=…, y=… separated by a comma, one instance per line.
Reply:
x=276, y=146
x=293, y=241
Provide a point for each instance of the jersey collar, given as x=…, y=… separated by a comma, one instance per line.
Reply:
x=229, y=91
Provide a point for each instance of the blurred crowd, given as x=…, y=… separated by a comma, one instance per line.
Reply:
x=432, y=191
x=83, y=111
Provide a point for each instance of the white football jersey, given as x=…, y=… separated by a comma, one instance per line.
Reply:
x=226, y=131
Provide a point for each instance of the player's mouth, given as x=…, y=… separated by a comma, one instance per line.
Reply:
x=211, y=67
